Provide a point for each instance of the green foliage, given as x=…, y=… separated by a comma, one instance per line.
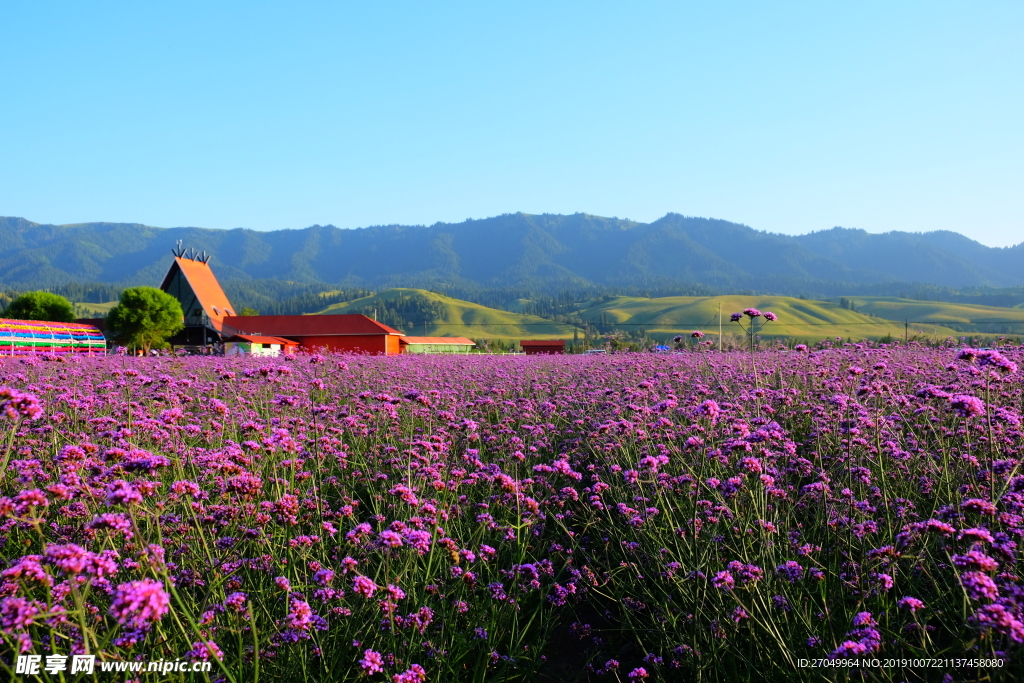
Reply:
x=247, y=311
x=957, y=317
x=278, y=297
x=88, y=292
x=417, y=312
x=145, y=317
x=674, y=255
x=93, y=310
x=41, y=306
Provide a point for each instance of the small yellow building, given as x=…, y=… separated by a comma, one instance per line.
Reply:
x=436, y=344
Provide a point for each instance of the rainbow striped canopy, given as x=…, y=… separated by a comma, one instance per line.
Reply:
x=20, y=337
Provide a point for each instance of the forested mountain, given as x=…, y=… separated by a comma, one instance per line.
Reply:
x=516, y=253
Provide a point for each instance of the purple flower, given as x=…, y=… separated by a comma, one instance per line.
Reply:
x=697, y=334
x=204, y=650
x=300, y=617
x=770, y=316
x=967, y=406
x=140, y=604
x=15, y=404
x=976, y=560
x=18, y=613
x=121, y=492
x=235, y=602
x=791, y=571
x=364, y=586
x=751, y=313
x=723, y=581
x=390, y=538
x=978, y=505
x=372, y=662
x=979, y=586
x=1000, y=619
x=736, y=317
x=910, y=603
x=414, y=674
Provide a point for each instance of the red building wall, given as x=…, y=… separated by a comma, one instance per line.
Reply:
x=376, y=344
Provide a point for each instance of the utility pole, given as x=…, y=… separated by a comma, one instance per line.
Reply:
x=719, y=326
x=906, y=331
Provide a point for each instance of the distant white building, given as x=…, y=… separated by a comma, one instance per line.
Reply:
x=258, y=345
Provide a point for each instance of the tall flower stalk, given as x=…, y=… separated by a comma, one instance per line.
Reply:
x=753, y=326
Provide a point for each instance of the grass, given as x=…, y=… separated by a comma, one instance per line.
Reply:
x=666, y=316
x=458, y=318
x=93, y=310
x=967, y=317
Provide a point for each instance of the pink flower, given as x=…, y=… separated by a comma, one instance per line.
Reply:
x=140, y=604
x=910, y=603
x=15, y=404
x=364, y=586
x=301, y=615
x=414, y=674
x=121, y=492
x=372, y=662
x=723, y=580
x=204, y=650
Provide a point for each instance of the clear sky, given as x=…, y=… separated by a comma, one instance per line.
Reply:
x=788, y=117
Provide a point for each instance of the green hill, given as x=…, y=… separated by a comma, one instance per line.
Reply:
x=528, y=253
x=667, y=316
x=420, y=313
x=957, y=316
x=91, y=310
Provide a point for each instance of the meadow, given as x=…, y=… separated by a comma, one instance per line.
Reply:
x=693, y=516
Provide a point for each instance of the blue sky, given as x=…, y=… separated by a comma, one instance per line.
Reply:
x=788, y=117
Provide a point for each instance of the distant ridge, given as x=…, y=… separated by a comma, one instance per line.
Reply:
x=516, y=251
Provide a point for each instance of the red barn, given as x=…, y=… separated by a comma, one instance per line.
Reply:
x=533, y=347
x=343, y=333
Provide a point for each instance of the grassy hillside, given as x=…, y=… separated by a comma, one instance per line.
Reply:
x=90, y=310
x=667, y=316
x=407, y=309
x=960, y=317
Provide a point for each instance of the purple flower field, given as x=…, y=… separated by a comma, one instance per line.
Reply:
x=613, y=518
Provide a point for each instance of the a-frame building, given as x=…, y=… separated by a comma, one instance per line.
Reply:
x=204, y=304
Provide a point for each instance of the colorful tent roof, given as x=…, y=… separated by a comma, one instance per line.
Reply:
x=205, y=286
x=306, y=325
x=20, y=336
x=462, y=341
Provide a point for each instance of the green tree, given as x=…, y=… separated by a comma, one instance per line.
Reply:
x=145, y=317
x=41, y=306
x=248, y=311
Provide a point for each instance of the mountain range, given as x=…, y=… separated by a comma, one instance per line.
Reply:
x=517, y=251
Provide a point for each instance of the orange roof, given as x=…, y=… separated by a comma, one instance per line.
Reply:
x=206, y=288
x=437, y=340
x=257, y=339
